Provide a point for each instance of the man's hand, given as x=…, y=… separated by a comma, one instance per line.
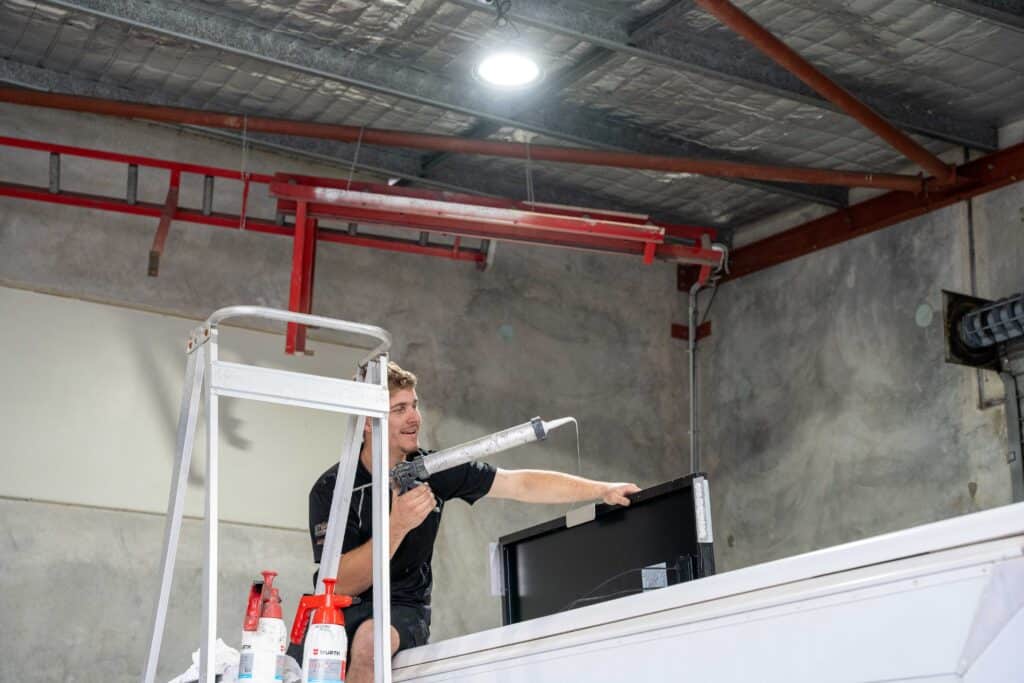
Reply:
x=410, y=509
x=615, y=494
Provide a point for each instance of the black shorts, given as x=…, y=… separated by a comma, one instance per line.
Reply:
x=411, y=622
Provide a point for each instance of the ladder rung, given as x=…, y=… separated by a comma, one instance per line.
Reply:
x=207, y=195
x=298, y=389
x=133, y=184
x=54, y=173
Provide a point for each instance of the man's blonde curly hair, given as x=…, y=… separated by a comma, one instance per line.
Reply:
x=399, y=379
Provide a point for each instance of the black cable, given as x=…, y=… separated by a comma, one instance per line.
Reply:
x=588, y=594
x=714, y=289
x=606, y=596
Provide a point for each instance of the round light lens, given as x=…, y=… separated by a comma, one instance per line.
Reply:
x=508, y=70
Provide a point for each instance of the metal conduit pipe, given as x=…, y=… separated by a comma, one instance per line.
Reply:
x=692, y=344
x=455, y=144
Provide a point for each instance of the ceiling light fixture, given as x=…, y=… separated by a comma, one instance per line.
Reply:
x=508, y=70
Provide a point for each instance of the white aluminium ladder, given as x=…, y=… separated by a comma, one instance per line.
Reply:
x=211, y=378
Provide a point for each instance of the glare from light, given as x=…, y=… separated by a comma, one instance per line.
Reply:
x=508, y=70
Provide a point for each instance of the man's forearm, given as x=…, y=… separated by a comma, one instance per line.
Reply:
x=542, y=486
x=355, y=571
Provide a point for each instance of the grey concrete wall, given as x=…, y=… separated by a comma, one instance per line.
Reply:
x=829, y=411
x=542, y=332
x=78, y=589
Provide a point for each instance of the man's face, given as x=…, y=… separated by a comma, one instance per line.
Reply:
x=404, y=422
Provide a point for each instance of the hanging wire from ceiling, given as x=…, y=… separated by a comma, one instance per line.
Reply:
x=355, y=158
x=529, y=175
x=244, y=171
x=503, y=16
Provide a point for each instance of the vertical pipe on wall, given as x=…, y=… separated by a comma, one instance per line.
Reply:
x=692, y=344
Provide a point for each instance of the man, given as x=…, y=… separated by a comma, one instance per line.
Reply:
x=414, y=520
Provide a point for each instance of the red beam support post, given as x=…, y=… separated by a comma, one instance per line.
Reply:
x=166, y=216
x=300, y=276
x=736, y=19
x=309, y=277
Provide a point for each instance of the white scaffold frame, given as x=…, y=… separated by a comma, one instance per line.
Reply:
x=361, y=399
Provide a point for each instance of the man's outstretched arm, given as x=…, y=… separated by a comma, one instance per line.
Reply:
x=544, y=486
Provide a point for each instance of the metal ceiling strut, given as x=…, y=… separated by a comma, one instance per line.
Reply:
x=571, y=122
x=388, y=163
x=982, y=175
x=758, y=36
x=448, y=143
x=689, y=49
x=312, y=200
x=492, y=219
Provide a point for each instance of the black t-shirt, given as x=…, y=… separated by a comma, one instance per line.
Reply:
x=411, y=578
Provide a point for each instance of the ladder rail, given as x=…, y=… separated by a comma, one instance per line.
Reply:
x=358, y=400
x=382, y=336
x=188, y=413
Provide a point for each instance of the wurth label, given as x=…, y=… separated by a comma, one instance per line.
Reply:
x=322, y=670
x=245, y=665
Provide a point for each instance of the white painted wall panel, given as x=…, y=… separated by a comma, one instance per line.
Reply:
x=89, y=396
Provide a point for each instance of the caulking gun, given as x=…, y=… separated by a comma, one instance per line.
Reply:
x=407, y=475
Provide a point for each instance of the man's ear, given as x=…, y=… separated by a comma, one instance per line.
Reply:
x=367, y=428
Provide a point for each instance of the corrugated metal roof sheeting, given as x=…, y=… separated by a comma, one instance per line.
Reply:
x=704, y=200
x=915, y=48
x=732, y=118
x=108, y=51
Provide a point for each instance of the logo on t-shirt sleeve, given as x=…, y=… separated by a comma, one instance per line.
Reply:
x=319, y=532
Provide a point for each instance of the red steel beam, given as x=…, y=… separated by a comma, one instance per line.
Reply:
x=222, y=220
x=403, y=246
x=309, y=272
x=166, y=216
x=458, y=145
x=300, y=275
x=405, y=209
x=669, y=252
x=986, y=174
x=788, y=58
x=689, y=232
x=517, y=226
x=102, y=155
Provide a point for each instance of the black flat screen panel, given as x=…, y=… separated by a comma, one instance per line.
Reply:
x=550, y=568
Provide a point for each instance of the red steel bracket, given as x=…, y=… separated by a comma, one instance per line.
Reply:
x=683, y=331
x=300, y=295
x=170, y=208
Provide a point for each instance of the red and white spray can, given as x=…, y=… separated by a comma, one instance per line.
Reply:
x=323, y=660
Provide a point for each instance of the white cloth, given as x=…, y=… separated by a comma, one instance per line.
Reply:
x=225, y=664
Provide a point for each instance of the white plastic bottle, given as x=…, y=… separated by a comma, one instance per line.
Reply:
x=261, y=659
x=249, y=632
x=272, y=633
x=323, y=660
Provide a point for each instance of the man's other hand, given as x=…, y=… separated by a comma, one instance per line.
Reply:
x=410, y=509
x=615, y=494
